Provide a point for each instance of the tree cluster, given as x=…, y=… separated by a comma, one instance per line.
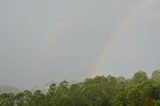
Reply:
x=98, y=91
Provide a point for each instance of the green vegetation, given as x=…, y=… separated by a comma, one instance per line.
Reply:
x=99, y=91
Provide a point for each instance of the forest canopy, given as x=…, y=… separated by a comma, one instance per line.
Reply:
x=140, y=90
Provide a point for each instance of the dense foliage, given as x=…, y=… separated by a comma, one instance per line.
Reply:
x=99, y=91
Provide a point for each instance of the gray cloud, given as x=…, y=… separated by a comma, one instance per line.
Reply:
x=55, y=40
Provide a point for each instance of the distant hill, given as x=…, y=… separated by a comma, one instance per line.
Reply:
x=8, y=89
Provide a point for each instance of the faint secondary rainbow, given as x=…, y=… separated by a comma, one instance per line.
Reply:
x=52, y=41
x=119, y=29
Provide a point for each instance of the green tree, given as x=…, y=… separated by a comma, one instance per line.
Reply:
x=134, y=97
x=28, y=97
x=7, y=99
x=156, y=83
x=39, y=99
x=139, y=77
x=50, y=96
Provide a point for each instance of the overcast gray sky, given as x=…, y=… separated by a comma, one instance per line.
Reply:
x=44, y=40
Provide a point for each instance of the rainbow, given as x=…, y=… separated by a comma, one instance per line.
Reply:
x=51, y=42
x=119, y=29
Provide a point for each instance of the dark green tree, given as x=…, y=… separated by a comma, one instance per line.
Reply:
x=7, y=99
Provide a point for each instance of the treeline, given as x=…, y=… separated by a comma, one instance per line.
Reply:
x=99, y=91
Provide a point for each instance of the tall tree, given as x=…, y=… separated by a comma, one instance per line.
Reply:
x=139, y=77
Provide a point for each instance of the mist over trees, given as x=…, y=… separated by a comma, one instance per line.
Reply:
x=98, y=91
x=8, y=89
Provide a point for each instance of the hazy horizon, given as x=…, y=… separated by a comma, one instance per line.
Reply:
x=50, y=40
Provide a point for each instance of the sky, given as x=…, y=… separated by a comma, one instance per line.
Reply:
x=56, y=40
